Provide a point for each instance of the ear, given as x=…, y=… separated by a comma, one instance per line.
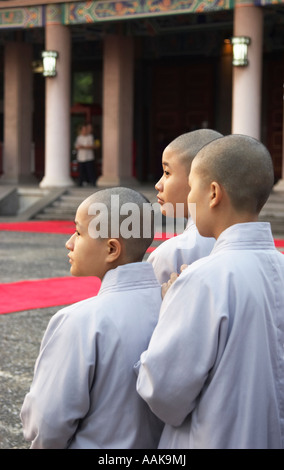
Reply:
x=113, y=249
x=216, y=194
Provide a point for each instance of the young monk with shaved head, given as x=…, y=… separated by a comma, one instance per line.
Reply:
x=172, y=196
x=213, y=371
x=83, y=394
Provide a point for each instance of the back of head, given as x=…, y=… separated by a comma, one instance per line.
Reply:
x=243, y=166
x=125, y=214
x=187, y=145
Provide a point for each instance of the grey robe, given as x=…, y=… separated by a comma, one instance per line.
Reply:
x=185, y=248
x=83, y=394
x=214, y=368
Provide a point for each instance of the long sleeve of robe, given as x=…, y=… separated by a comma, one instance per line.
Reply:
x=214, y=368
x=185, y=248
x=83, y=393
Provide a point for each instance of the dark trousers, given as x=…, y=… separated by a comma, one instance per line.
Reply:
x=87, y=172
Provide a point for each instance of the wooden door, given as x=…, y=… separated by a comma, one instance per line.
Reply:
x=273, y=103
x=182, y=101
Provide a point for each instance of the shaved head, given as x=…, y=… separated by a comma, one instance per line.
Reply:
x=187, y=145
x=243, y=166
x=129, y=217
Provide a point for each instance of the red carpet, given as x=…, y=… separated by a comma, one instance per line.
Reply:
x=59, y=226
x=53, y=226
x=28, y=295
x=279, y=243
x=68, y=227
x=43, y=293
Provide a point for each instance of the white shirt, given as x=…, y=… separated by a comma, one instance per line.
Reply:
x=214, y=368
x=83, y=394
x=85, y=155
x=185, y=248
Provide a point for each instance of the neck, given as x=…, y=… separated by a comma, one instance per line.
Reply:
x=232, y=219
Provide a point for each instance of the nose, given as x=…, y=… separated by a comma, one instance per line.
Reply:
x=159, y=185
x=70, y=243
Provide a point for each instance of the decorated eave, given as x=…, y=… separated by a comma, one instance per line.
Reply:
x=36, y=13
x=30, y=14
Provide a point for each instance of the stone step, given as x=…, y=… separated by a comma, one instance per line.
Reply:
x=65, y=206
x=53, y=216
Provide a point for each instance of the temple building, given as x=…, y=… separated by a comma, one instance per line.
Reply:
x=142, y=72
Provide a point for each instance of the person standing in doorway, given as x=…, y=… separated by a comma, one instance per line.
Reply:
x=84, y=145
